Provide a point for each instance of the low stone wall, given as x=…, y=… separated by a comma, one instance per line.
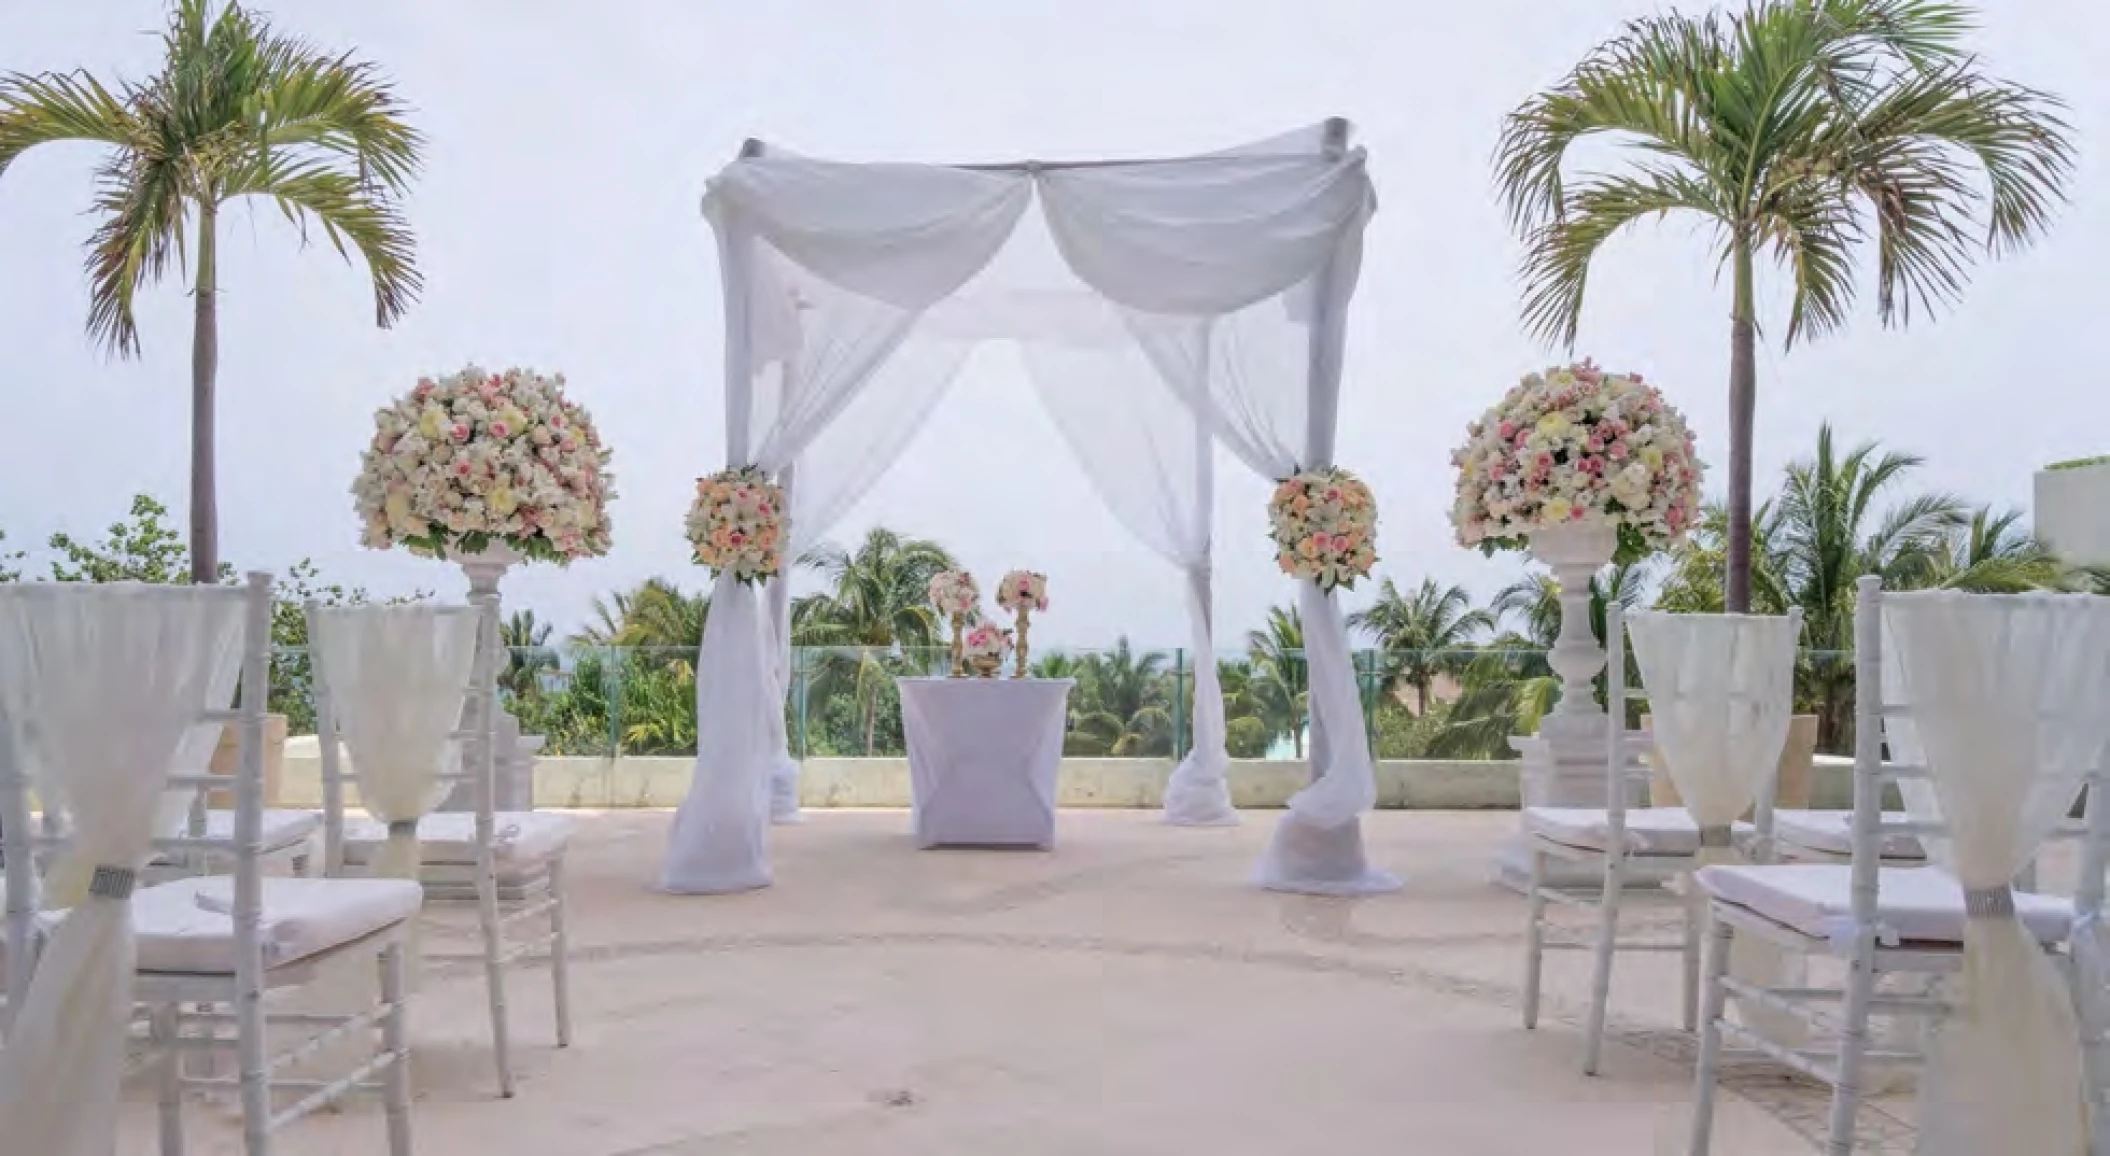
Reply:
x=638, y=781
x=1402, y=784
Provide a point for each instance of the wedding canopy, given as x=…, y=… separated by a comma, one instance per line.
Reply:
x=1165, y=307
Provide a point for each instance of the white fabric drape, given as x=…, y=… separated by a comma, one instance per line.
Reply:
x=1151, y=459
x=826, y=269
x=100, y=683
x=397, y=677
x=1220, y=264
x=1721, y=688
x=2005, y=694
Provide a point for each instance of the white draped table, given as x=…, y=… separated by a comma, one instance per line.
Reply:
x=982, y=758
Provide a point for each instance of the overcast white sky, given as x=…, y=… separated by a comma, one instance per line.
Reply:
x=557, y=228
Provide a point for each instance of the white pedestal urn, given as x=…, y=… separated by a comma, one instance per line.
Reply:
x=1563, y=764
x=484, y=569
x=1580, y=467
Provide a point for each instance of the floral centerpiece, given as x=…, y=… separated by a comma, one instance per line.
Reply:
x=985, y=647
x=477, y=460
x=955, y=595
x=1577, y=445
x=1022, y=592
x=737, y=524
x=1324, y=523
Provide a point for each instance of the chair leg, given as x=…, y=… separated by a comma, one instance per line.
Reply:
x=252, y=1050
x=1535, y=940
x=494, y=978
x=560, y=953
x=1853, y=1045
x=395, y=1039
x=165, y=1031
x=1695, y=919
x=1715, y=1007
x=1601, y=977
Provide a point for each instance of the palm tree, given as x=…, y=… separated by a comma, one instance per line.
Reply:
x=527, y=647
x=1123, y=702
x=1423, y=635
x=873, y=618
x=1793, y=126
x=1991, y=553
x=236, y=111
x=1278, y=679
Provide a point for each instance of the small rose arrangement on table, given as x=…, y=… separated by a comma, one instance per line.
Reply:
x=1022, y=592
x=986, y=646
x=955, y=595
x=737, y=524
x=1577, y=444
x=1324, y=525
x=473, y=460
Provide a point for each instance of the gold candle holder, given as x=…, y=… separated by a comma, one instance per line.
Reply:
x=959, y=646
x=1019, y=671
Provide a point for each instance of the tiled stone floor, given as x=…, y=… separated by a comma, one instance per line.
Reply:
x=1127, y=993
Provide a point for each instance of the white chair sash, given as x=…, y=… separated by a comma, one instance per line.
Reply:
x=102, y=683
x=2005, y=693
x=396, y=678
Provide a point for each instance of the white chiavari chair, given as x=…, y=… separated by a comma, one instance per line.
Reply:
x=210, y=949
x=510, y=864
x=1887, y=921
x=1635, y=850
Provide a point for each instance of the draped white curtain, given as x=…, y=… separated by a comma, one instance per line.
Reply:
x=73, y=661
x=1218, y=264
x=1151, y=459
x=397, y=677
x=2006, y=696
x=826, y=269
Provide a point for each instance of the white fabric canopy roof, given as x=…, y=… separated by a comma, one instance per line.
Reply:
x=1166, y=307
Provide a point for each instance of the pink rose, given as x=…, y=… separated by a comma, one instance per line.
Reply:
x=499, y=430
x=460, y=432
x=1506, y=430
x=1616, y=451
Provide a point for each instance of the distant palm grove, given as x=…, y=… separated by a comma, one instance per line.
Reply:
x=1443, y=676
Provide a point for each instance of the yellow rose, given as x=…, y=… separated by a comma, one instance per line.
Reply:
x=397, y=507
x=1652, y=457
x=502, y=502
x=433, y=422
x=1556, y=510
x=1553, y=424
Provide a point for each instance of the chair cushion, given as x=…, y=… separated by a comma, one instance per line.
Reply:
x=1921, y=904
x=1650, y=830
x=518, y=837
x=183, y=925
x=1832, y=833
x=282, y=830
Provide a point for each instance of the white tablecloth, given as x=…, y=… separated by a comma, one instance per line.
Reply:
x=982, y=758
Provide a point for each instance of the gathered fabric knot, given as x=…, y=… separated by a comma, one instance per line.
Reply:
x=1989, y=902
x=113, y=882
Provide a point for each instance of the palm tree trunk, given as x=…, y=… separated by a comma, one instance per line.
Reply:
x=204, y=370
x=871, y=723
x=1743, y=404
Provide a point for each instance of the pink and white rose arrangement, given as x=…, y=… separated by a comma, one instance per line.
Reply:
x=476, y=459
x=1023, y=588
x=1324, y=523
x=1577, y=444
x=954, y=593
x=737, y=523
x=987, y=641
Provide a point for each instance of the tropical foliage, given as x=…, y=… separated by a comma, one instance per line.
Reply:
x=237, y=110
x=1799, y=130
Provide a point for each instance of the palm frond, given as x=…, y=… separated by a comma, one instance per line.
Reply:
x=349, y=213
x=59, y=106
x=1557, y=255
